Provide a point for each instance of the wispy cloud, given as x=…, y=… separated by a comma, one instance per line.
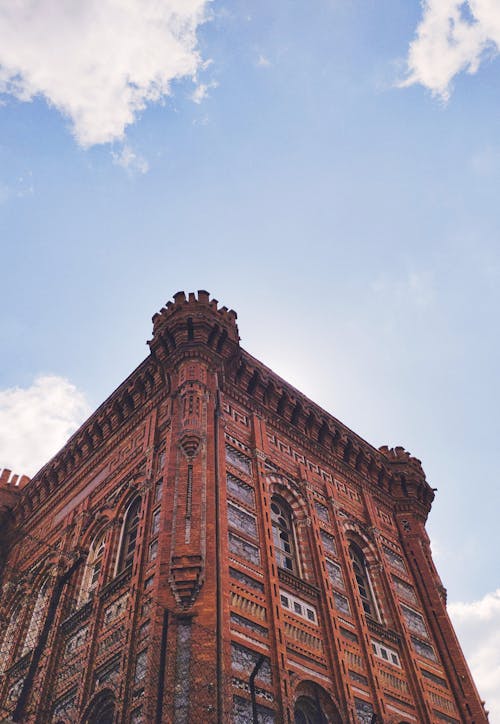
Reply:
x=478, y=627
x=100, y=63
x=36, y=421
x=128, y=159
x=263, y=61
x=453, y=36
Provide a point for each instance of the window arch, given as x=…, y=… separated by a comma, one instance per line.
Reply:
x=284, y=535
x=363, y=581
x=9, y=637
x=102, y=709
x=36, y=620
x=129, y=535
x=307, y=711
x=93, y=567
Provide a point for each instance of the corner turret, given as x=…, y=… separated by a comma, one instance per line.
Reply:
x=190, y=321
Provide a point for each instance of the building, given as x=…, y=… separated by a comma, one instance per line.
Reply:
x=213, y=546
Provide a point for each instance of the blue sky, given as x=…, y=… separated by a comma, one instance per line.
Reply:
x=330, y=171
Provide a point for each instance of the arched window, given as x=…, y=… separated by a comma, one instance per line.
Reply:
x=102, y=709
x=92, y=569
x=283, y=535
x=37, y=618
x=363, y=581
x=307, y=711
x=9, y=638
x=129, y=535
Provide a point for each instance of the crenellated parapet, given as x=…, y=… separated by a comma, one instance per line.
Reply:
x=394, y=471
x=410, y=486
x=11, y=486
x=193, y=322
x=92, y=438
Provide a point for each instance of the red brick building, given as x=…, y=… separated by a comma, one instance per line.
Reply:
x=213, y=546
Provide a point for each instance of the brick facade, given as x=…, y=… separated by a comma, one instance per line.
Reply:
x=212, y=546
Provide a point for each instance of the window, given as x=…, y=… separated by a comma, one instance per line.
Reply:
x=9, y=638
x=92, y=569
x=155, y=525
x=140, y=666
x=363, y=581
x=37, y=617
x=307, y=711
x=298, y=607
x=153, y=550
x=383, y=652
x=283, y=535
x=158, y=491
x=129, y=535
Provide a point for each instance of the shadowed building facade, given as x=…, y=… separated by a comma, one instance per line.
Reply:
x=213, y=546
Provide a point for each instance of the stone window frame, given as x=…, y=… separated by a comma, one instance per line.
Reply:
x=284, y=535
x=93, y=567
x=298, y=607
x=385, y=653
x=127, y=545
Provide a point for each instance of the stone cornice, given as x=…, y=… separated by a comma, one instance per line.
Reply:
x=91, y=443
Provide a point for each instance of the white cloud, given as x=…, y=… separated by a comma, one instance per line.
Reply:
x=478, y=627
x=36, y=421
x=263, y=62
x=453, y=36
x=127, y=158
x=201, y=91
x=99, y=62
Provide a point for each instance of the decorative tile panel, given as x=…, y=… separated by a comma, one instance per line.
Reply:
x=322, y=511
x=240, y=461
x=335, y=573
x=394, y=559
x=242, y=712
x=404, y=589
x=244, y=660
x=328, y=542
x=415, y=621
x=247, y=581
x=341, y=603
x=240, y=490
x=364, y=711
x=244, y=549
x=241, y=520
x=423, y=649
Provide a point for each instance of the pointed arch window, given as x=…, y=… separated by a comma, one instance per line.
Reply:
x=363, y=582
x=37, y=617
x=92, y=569
x=9, y=637
x=129, y=535
x=283, y=535
x=308, y=711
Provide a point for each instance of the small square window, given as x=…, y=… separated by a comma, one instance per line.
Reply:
x=158, y=491
x=310, y=615
x=395, y=659
x=297, y=607
x=153, y=550
x=155, y=525
x=384, y=654
x=284, y=601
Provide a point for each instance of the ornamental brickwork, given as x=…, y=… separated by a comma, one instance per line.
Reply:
x=213, y=546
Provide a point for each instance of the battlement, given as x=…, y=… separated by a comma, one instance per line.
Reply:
x=193, y=319
x=203, y=300
x=400, y=455
x=11, y=481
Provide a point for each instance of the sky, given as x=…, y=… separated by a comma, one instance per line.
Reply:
x=329, y=170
